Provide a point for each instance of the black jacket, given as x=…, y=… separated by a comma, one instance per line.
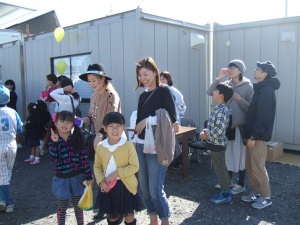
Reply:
x=261, y=113
x=161, y=98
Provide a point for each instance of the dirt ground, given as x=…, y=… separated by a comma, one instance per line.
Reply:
x=189, y=201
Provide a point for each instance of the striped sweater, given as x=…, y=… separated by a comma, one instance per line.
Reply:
x=68, y=162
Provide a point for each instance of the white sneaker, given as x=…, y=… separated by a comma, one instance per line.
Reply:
x=29, y=160
x=34, y=162
x=9, y=208
x=19, y=146
x=237, y=189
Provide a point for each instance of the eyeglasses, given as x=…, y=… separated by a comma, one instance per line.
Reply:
x=232, y=67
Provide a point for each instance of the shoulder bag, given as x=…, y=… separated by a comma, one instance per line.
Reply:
x=89, y=137
x=76, y=111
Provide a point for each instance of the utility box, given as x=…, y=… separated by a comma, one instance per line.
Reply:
x=275, y=150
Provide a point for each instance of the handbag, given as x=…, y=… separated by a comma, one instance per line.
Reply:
x=76, y=111
x=230, y=132
x=89, y=137
x=86, y=200
x=149, y=143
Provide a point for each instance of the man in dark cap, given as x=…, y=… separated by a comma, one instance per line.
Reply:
x=260, y=120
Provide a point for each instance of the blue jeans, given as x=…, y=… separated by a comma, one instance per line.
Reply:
x=151, y=176
x=5, y=194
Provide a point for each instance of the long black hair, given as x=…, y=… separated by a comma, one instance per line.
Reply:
x=76, y=141
x=11, y=82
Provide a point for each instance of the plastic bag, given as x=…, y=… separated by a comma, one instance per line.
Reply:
x=86, y=200
x=44, y=95
x=149, y=143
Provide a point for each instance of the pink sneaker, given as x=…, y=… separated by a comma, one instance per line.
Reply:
x=29, y=160
x=35, y=162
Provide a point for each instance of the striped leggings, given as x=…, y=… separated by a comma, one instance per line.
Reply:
x=62, y=208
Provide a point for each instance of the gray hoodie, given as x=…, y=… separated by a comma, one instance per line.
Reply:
x=238, y=108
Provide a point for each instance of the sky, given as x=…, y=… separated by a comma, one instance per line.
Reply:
x=70, y=12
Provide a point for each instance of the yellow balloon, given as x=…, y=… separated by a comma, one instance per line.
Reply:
x=61, y=66
x=59, y=34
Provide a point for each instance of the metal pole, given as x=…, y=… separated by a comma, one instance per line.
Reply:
x=286, y=8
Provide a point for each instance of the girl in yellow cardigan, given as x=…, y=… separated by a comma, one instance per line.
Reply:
x=116, y=164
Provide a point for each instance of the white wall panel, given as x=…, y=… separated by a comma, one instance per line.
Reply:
x=93, y=43
x=261, y=42
x=117, y=56
x=104, y=47
x=130, y=96
x=83, y=44
x=287, y=74
x=161, y=45
x=147, y=34
x=252, y=50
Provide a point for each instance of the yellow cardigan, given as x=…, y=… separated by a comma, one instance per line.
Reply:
x=126, y=161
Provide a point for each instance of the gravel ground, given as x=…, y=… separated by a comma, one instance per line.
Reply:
x=189, y=201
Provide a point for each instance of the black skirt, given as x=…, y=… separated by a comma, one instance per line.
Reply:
x=118, y=201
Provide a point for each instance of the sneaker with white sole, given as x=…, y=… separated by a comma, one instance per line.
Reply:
x=2, y=205
x=237, y=189
x=250, y=198
x=223, y=197
x=29, y=160
x=9, y=208
x=35, y=162
x=218, y=186
x=261, y=203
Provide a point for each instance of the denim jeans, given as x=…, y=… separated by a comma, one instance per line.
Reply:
x=151, y=176
x=5, y=194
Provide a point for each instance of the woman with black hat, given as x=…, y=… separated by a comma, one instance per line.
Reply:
x=104, y=100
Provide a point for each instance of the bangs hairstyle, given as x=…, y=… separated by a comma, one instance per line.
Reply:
x=65, y=116
x=241, y=74
x=168, y=77
x=10, y=82
x=149, y=64
x=113, y=117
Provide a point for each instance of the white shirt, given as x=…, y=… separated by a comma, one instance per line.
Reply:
x=180, y=106
x=63, y=100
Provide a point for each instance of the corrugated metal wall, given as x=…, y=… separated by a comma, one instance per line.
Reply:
x=11, y=68
x=261, y=41
x=118, y=42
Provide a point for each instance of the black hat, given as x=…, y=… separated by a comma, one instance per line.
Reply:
x=267, y=67
x=95, y=69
